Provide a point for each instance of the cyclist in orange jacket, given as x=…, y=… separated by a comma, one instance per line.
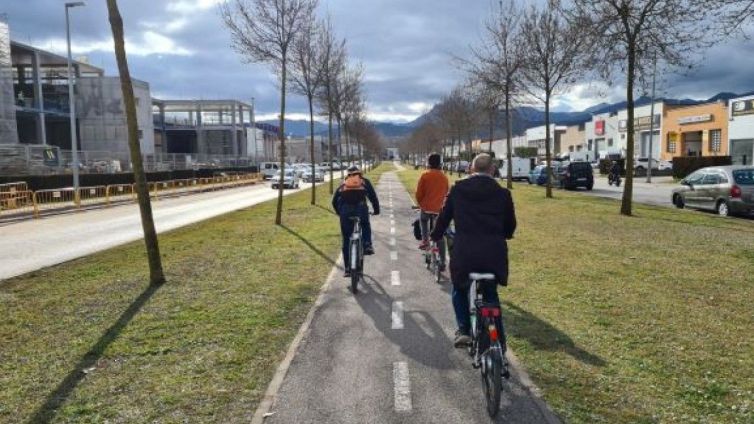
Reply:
x=430, y=194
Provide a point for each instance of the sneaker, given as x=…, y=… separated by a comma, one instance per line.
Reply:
x=347, y=273
x=369, y=250
x=442, y=267
x=461, y=340
x=424, y=245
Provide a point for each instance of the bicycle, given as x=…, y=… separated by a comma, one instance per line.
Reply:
x=433, y=253
x=487, y=350
x=356, y=248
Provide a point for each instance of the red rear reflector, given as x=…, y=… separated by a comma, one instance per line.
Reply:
x=735, y=192
x=493, y=333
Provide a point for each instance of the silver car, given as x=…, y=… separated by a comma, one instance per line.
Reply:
x=727, y=190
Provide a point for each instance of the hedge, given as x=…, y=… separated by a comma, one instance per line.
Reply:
x=685, y=165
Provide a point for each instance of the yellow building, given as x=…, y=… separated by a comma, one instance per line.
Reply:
x=699, y=130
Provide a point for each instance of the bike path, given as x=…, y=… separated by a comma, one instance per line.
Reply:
x=385, y=355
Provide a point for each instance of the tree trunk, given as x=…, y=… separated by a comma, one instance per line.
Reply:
x=340, y=149
x=628, y=187
x=348, y=142
x=492, y=128
x=509, y=138
x=329, y=150
x=311, y=151
x=279, y=212
x=156, y=274
x=548, y=154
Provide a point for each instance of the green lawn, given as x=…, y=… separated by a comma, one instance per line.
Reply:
x=89, y=341
x=644, y=319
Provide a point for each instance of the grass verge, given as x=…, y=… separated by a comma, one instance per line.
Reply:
x=642, y=319
x=89, y=341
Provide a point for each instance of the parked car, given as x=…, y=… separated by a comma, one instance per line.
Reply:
x=641, y=164
x=572, y=175
x=538, y=175
x=520, y=169
x=319, y=174
x=727, y=190
x=290, y=180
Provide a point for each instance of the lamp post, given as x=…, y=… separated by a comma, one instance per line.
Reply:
x=652, y=122
x=71, y=102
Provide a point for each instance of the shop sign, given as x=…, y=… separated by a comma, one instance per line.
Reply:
x=642, y=123
x=743, y=107
x=695, y=119
x=599, y=128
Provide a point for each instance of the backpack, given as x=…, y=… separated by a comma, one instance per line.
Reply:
x=353, y=182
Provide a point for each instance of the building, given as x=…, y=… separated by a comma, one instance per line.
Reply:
x=741, y=130
x=698, y=130
x=642, y=124
x=500, y=147
x=535, y=137
x=8, y=129
x=262, y=141
x=298, y=149
x=602, y=136
x=202, y=127
x=573, y=139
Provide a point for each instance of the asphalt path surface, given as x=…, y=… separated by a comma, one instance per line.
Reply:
x=385, y=355
x=26, y=246
x=657, y=193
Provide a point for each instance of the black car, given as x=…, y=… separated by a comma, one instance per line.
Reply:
x=573, y=175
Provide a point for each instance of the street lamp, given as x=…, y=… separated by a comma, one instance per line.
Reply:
x=71, y=101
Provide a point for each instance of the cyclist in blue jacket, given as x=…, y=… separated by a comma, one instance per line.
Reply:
x=350, y=199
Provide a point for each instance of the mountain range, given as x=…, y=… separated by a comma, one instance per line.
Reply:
x=524, y=117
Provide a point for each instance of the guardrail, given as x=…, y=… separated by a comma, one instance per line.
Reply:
x=16, y=201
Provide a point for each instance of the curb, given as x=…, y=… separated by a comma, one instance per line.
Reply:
x=535, y=393
x=268, y=401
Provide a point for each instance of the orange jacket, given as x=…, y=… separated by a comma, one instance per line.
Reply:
x=432, y=190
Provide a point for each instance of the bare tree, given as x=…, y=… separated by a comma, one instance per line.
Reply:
x=264, y=31
x=458, y=116
x=307, y=77
x=156, y=275
x=635, y=33
x=496, y=66
x=554, y=51
x=331, y=61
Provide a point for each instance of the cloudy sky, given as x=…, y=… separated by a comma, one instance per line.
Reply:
x=182, y=49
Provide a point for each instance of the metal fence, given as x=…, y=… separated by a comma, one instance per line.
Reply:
x=16, y=202
x=35, y=159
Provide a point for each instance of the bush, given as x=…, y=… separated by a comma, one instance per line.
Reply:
x=685, y=165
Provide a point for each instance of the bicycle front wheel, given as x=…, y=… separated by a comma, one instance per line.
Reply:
x=492, y=378
x=355, y=266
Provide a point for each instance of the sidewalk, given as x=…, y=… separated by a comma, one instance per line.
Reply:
x=385, y=355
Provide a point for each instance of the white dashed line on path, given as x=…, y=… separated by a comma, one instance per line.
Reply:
x=394, y=255
x=397, y=315
x=392, y=230
x=395, y=278
x=392, y=241
x=402, y=387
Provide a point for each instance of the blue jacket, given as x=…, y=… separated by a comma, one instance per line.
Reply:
x=338, y=201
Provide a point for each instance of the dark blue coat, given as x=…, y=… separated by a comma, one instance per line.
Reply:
x=352, y=202
x=484, y=219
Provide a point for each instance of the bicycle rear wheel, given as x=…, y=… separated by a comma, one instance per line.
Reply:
x=436, y=270
x=492, y=379
x=355, y=266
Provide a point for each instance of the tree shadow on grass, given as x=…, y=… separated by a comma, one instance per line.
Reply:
x=542, y=335
x=311, y=246
x=46, y=412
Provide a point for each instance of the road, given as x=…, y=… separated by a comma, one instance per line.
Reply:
x=385, y=355
x=30, y=245
x=657, y=193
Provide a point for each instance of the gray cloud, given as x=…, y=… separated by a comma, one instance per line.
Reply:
x=406, y=47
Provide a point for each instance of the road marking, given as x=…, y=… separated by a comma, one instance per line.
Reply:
x=392, y=230
x=392, y=222
x=397, y=315
x=392, y=215
x=402, y=387
x=394, y=255
x=392, y=241
x=395, y=278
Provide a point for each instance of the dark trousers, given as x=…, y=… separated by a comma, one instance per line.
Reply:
x=462, y=307
x=346, y=228
x=427, y=220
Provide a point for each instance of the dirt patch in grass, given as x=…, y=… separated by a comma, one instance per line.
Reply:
x=631, y=319
x=89, y=341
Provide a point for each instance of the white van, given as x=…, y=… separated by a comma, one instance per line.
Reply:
x=268, y=169
x=520, y=167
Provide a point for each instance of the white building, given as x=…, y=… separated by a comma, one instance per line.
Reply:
x=500, y=147
x=535, y=137
x=602, y=135
x=642, y=123
x=741, y=130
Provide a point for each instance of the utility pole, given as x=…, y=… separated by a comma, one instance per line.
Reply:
x=72, y=103
x=651, y=122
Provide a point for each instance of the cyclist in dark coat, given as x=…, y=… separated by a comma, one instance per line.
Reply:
x=349, y=203
x=484, y=219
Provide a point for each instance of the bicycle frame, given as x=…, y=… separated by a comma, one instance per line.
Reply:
x=356, y=245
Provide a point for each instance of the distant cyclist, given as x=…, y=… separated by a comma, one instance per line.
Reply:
x=350, y=200
x=430, y=194
x=484, y=219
